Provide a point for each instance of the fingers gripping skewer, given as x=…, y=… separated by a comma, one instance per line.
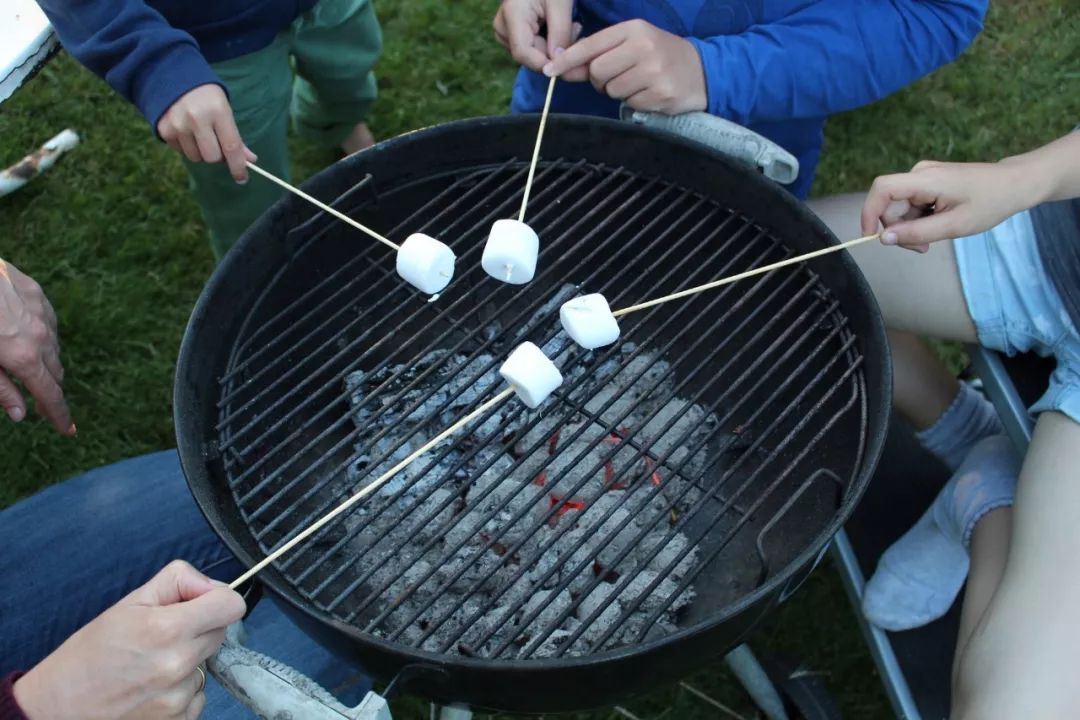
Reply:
x=742, y=276
x=323, y=206
x=371, y=487
x=536, y=149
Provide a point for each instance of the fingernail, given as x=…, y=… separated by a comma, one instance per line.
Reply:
x=559, y=51
x=16, y=414
x=549, y=69
x=923, y=249
x=888, y=238
x=243, y=181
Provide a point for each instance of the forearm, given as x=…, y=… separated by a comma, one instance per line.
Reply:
x=1049, y=173
x=833, y=56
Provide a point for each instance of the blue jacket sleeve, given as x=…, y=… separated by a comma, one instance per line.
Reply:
x=133, y=48
x=833, y=55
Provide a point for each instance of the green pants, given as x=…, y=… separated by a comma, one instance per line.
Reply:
x=332, y=49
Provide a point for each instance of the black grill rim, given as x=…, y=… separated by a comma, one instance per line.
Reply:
x=194, y=455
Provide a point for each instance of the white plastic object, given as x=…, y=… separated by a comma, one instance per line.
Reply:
x=589, y=322
x=531, y=373
x=425, y=263
x=510, y=252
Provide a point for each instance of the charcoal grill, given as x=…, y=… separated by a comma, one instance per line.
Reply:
x=790, y=368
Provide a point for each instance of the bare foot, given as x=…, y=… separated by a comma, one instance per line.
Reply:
x=359, y=139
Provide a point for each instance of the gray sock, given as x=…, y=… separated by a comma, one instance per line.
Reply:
x=969, y=419
x=919, y=576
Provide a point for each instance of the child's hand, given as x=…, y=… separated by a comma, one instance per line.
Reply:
x=637, y=62
x=518, y=24
x=201, y=126
x=937, y=201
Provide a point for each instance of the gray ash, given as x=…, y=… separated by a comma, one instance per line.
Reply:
x=471, y=553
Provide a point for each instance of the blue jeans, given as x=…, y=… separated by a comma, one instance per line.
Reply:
x=74, y=549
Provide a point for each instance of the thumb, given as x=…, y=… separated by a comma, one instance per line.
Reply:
x=211, y=611
x=11, y=399
x=177, y=582
x=922, y=231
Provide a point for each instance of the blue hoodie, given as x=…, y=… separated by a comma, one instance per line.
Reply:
x=780, y=67
x=154, y=52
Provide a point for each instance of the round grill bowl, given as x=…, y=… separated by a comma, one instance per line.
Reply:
x=794, y=364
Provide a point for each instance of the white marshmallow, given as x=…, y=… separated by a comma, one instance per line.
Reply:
x=588, y=320
x=510, y=252
x=425, y=263
x=532, y=375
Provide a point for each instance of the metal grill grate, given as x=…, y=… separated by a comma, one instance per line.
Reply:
x=771, y=358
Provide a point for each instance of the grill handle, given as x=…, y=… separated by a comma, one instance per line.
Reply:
x=272, y=689
x=775, y=162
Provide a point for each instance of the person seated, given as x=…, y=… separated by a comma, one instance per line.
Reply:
x=103, y=613
x=998, y=263
x=779, y=69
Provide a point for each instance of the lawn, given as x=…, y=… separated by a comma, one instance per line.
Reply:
x=118, y=244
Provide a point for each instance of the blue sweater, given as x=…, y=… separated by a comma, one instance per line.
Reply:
x=781, y=67
x=153, y=52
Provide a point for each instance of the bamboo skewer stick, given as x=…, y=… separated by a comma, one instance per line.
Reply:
x=536, y=149
x=323, y=206
x=744, y=275
x=370, y=487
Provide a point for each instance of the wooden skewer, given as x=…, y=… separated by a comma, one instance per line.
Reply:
x=370, y=487
x=744, y=275
x=536, y=149
x=323, y=206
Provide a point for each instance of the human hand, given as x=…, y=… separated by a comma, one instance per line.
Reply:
x=518, y=24
x=138, y=659
x=647, y=67
x=937, y=201
x=30, y=350
x=200, y=125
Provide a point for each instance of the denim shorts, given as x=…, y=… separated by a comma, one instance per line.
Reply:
x=1016, y=309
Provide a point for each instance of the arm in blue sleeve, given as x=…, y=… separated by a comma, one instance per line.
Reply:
x=833, y=55
x=133, y=48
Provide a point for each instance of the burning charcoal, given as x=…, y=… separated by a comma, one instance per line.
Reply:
x=491, y=529
x=608, y=616
x=551, y=645
x=549, y=605
x=510, y=252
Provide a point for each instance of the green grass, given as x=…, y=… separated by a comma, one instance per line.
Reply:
x=118, y=244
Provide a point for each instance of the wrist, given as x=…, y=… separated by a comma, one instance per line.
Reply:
x=1028, y=179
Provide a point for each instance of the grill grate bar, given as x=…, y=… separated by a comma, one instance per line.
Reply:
x=625, y=290
x=525, y=483
x=392, y=502
x=684, y=520
x=628, y=576
x=598, y=523
x=353, y=434
x=611, y=225
x=455, y=326
x=840, y=382
x=332, y=279
x=393, y=285
x=345, y=418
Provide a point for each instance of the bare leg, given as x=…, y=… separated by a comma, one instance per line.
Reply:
x=923, y=387
x=989, y=549
x=1020, y=661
